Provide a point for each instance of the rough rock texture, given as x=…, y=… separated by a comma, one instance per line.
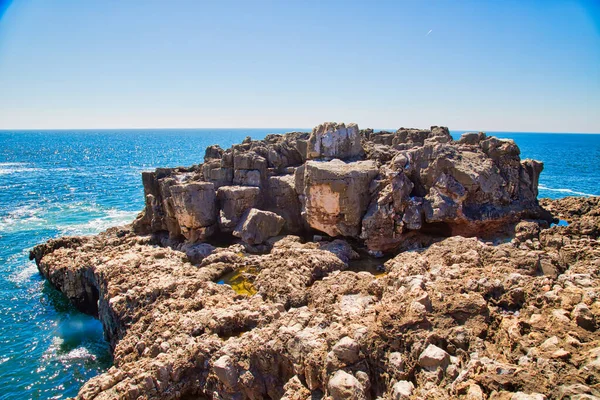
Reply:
x=392, y=190
x=331, y=140
x=257, y=226
x=336, y=195
x=491, y=303
x=462, y=318
x=234, y=201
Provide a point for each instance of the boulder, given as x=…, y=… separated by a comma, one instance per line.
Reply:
x=347, y=350
x=257, y=226
x=197, y=252
x=234, y=201
x=433, y=358
x=331, y=140
x=283, y=200
x=336, y=195
x=226, y=371
x=343, y=386
x=402, y=390
x=194, y=207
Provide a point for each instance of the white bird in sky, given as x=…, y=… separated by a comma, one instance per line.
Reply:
x=431, y=30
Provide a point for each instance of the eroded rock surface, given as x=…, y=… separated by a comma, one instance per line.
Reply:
x=462, y=318
x=392, y=190
x=492, y=301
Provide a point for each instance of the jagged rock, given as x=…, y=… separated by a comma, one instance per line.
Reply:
x=417, y=185
x=402, y=390
x=343, y=386
x=194, y=206
x=508, y=327
x=197, y=252
x=336, y=195
x=257, y=226
x=433, y=357
x=584, y=317
x=515, y=310
x=283, y=200
x=214, y=152
x=331, y=140
x=234, y=202
x=347, y=350
x=226, y=371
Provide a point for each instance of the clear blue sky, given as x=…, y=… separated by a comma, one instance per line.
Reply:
x=487, y=65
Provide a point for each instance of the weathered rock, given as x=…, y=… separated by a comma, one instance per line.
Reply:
x=433, y=358
x=194, y=206
x=331, y=140
x=257, y=226
x=234, y=202
x=402, y=390
x=283, y=200
x=336, y=195
x=343, y=386
x=509, y=329
x=197, y=252
x=513, y=316
x=347, y=350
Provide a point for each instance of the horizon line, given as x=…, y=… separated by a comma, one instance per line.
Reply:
x=278, y=128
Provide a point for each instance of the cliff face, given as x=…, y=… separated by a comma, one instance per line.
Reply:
x=376, y=187
x=190, y=315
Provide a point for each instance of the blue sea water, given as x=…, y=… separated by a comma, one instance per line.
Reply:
x=55, y=183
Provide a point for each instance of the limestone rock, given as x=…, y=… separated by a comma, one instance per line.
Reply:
x=433, y=357
x=234, y=202
x=343, y=386
x=331, y=140
x=194, y=206
x=337, y=195
x=347, y=350
x=402, y=390
x=257, y=226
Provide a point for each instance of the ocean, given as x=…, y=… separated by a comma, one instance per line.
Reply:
x=55, y=183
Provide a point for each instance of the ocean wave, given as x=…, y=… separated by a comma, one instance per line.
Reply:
x=79, y=353
x=68, y=219
x=112, y=218
x=15, y=170
x=22, y=218
x=25, y=274
x=565, y=190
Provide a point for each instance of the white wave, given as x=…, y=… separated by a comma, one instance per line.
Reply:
x=25, y=274
x=15, y=170
x=4, y=359
x=564, y=190
x=78, y=353
x=96, y=225
x=23, y=218
x=96, y=219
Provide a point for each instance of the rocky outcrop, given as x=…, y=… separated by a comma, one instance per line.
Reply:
x=392, y=190
x=462, y=318
x=257, y=226
x=207, y=295
x=336, y=195
x=331, y=140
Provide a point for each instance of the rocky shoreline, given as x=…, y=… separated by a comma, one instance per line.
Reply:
x=251, y=276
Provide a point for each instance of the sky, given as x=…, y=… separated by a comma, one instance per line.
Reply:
x=529, y=66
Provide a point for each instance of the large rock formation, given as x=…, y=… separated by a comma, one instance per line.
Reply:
x=390, y=190
x=462, y=318
x=507, y=310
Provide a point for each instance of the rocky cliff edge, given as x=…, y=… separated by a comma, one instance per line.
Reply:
x=512, y=316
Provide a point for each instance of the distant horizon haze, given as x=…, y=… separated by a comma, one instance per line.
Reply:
x=510, y=66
